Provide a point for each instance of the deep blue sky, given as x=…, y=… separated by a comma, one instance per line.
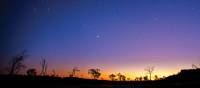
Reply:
x=114, y=35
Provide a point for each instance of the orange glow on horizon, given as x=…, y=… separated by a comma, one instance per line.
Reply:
x=129, y=70
x=105, y=75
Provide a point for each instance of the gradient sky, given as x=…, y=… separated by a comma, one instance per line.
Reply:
x=114, y=35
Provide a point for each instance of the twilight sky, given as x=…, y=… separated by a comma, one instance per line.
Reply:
x=114, y=35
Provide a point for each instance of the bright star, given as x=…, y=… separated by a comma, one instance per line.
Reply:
x=97, y=36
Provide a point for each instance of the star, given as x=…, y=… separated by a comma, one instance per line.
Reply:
x=97, y=36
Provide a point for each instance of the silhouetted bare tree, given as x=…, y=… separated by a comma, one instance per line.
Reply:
x=149, y=71
x=121, y=77
x=112, y=77
x=31, y=72
x=16, y=64
x=74, y=71
x=95, y=73
x=44, y=67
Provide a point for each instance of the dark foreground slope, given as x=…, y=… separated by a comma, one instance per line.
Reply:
x=184, y=79
x=187, y=78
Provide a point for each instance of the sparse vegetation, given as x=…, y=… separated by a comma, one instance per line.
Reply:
x=112, y=77
x=44, y=67
x=16, y=64
x=95, y=73
x=31, y=72
x=74, y=71
x=149, y=71
x=119, y=80
x=121, y=77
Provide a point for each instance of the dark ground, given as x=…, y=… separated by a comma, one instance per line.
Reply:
x=184, y=79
